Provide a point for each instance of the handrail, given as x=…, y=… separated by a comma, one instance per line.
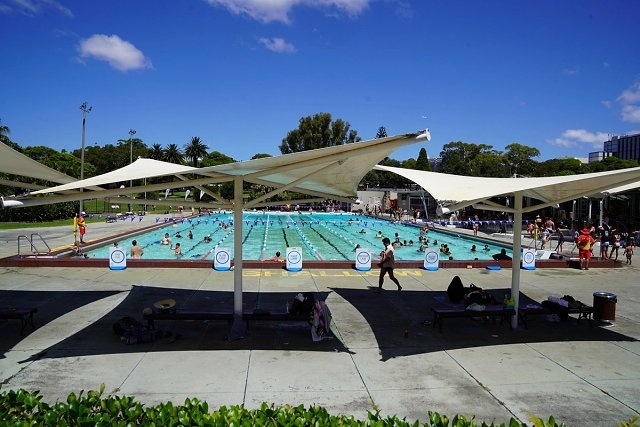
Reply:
x=34, y=249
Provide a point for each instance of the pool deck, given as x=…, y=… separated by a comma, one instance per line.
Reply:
x=382, y=356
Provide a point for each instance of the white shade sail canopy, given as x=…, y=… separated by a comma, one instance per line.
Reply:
x=332, y=172
x=460, y=191
x=15, y=163
x=141, y=168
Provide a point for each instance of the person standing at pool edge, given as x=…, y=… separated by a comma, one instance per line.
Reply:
x=387, y=263
x=79, y=224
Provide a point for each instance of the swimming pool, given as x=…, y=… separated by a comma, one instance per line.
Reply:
x=321, y=236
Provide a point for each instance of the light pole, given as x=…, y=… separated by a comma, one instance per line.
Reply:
x=84, y=110
x=131, y=133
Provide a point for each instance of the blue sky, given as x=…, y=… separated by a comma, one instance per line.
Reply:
x=556, y=75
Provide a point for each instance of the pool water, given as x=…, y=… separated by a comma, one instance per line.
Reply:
x=321, y=237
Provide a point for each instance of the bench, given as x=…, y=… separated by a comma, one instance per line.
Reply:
x=25, y=315
x=583, y=311
x=442, y=312
x=249, y=315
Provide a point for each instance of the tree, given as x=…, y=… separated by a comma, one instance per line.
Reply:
x=156, y=152
x=215, y=158
x=4, y=137
x=62, y=162
x=458, y=157
x=519, y=159
x=173, y=154
x=382, y=133
x=423, y=160
x=318, y=131
x=261, y=156
x=195, y=150
x=612, y=163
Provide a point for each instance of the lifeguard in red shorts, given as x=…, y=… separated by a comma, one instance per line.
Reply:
x=584, y=243
x=81, y=225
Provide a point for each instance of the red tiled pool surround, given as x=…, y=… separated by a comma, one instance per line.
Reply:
x=17, y=261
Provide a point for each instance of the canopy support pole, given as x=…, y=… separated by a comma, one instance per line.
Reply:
x=515, y=261
x=239, y=327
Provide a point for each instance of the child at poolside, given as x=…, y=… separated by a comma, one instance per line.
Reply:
x=628, y=251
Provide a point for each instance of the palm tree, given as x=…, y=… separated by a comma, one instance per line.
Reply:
x=195, y=150
x=156, y=152
x=173, y=154
x=4, y=138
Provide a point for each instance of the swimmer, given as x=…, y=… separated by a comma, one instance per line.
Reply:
x=177, y=250
x=473, y=248
x=379, y=235
x=166, y=240
x=276, y=258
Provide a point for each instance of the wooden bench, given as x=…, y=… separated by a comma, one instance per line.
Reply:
x=248, y=316
x=442, y=312
x=583, y=311
x=25, y=315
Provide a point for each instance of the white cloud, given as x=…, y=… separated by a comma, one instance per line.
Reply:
x=631, y=113
x=278, y=10
x=33, y=7
x=572, y=71
x=120, y=54
x=278, y=44
x=630, y=100
x=580, y=138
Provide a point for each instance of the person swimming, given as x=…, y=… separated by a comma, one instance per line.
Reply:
x=166, y=240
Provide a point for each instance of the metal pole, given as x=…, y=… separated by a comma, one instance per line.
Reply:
x=84, y=110
x=131, y=133
x=515, y=263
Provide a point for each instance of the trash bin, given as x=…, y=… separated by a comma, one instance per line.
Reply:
x=604, y=306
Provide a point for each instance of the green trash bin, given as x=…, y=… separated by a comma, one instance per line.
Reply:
x=604, y=306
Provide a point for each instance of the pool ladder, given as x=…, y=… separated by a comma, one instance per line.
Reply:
x=30, y=240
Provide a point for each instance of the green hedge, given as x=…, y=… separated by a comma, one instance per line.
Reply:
x=23, y=408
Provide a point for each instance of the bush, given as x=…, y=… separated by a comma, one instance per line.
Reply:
x=23, y=408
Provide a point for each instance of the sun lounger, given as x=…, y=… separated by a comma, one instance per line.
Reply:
x=25, y=315
x=525, y=310
x=453, y=311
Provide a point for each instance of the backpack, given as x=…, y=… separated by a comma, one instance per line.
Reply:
x=455, y=291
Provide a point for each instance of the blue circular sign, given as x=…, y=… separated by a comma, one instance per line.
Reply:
x=294, y=257
x=118, y=256
x=431, y=257
x=529, y=257
x=222, y=257
x=363, y=257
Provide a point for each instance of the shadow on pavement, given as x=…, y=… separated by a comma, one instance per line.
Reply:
x=50, y=305
x=397, y=320
x=99, y=337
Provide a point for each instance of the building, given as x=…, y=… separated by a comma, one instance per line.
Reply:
x=625, y=147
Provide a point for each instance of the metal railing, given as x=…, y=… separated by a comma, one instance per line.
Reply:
x=33, y=249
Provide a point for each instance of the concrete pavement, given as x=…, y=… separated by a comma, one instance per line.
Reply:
x=581, y=375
